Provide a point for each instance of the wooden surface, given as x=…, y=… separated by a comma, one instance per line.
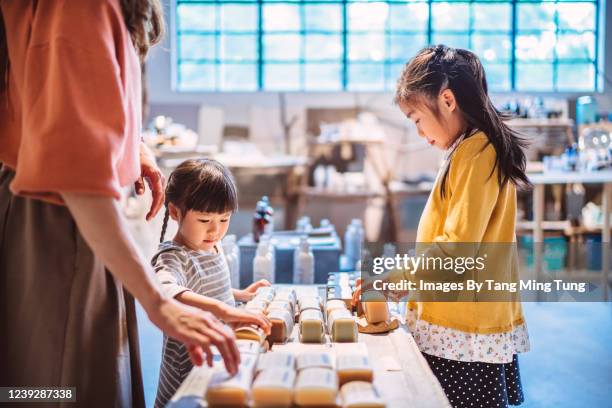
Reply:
x=401, y=374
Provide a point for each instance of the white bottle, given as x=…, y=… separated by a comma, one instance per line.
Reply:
x=263, y=263
x=303, y=263
x=320, y=177
x=232, y=255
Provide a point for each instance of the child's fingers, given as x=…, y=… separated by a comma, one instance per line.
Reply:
x=196, y=355
x=356, y=296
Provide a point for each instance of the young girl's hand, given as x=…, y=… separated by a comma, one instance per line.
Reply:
x=249, y=292
x=234, y=315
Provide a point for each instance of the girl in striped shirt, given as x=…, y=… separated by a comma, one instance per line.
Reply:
x=200, y=197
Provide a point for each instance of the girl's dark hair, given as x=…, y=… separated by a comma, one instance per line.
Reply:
x=202, y=185
x=439, y=67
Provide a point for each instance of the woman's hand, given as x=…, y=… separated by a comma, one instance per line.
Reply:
x=198, y=330
x=234, y=315
x=249, y=292
x=154, y=177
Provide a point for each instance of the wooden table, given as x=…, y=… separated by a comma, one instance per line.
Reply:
x=401, y=374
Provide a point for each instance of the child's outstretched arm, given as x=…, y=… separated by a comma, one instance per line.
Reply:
x=224, y=311
x=244, y=295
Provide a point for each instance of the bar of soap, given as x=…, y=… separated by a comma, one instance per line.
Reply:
x=316, y=386
x=353, y=367
x=282, y=325
x=281, y=304
x=273, y=388
x=266, y=291
x=342, y=326
x=310, y=359
x=250, y=332
x=287, y=295
x=228, y=391
x=360, y=394
x=277, y=359
x=265, y=294
x=311, y=326
x=334, y=304
x=310, y=302
x=376, y=312
x=256, y=305
x=248, y=346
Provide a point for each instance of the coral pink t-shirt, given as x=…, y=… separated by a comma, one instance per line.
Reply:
x=72, y=121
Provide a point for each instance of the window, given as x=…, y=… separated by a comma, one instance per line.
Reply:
x=361, y=45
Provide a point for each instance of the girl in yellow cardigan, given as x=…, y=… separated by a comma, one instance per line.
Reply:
x=470, y=346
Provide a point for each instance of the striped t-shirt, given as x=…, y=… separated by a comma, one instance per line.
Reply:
x=179, y=269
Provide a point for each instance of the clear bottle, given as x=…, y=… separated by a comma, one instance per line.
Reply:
x=358, y=239
x=232, y=255
x=303, y=224
x=303, y=263
x=349, y=244
x=263, y=263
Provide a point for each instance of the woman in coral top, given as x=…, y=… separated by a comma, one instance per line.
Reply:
x=70, y=96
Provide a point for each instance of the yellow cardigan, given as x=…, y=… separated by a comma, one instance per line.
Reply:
x=474, y=209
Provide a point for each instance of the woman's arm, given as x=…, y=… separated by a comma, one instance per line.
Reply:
x=103, y=227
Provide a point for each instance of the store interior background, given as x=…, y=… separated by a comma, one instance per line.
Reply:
x=571, y=357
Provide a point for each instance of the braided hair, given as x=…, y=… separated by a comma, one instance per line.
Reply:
x=439, y=67
x=202, y=185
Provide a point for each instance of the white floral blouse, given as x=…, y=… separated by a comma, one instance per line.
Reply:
x=457, y=345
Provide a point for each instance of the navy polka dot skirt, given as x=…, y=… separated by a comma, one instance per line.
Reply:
x=478, y=384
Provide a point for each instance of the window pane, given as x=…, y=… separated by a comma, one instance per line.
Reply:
x=323, y=47
x=323, y=17
x=238, y=47
x=238, y=77
x=238, y=17
x=534, y=77
x=197, y=46
x=408, y=17
x=281, y=17
x=366, y=47
x=492, y=16
x=282, y=47
x=452, y=40
x=451, y=17
x=366, y=77
x=533, y=47
x=322, y=77
x=492, y=48
x=282, y=77
x=577, y=16
x=393, y=73
x=575, y=77
x=367, y=16
x=405, y=46
x=196, y=77
x=498, y=76
x=536, y=16
x=196, y=17
x=576, y=46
